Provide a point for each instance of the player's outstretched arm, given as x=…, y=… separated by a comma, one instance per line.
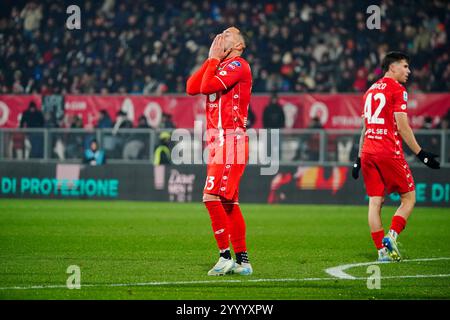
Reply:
x=407, y=135
x=195, y=81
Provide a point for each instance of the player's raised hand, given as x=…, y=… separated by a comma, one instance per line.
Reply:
x=212, y=45
x=356, y=168
x=428, y=159
x=217, y=49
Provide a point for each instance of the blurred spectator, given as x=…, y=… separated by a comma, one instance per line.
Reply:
x=162, y=150
x=104, y=120
x=152, y=46
x=137, y=144
x=19, y=146
x=31, y=15
x=57, y=148
x=77, y=122
x=315, y=123
x=273, y=116
x=72, y=141
x=153, y=86
x=313, y=140
x=122, y=122
x=33, y=118
x=360, y=84
x=142, y=122
x=166, y=121
x=93, y=155
x=123, y=143
x=427, y=123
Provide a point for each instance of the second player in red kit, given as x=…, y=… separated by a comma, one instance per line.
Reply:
x=382, y=139
x=225, y=78
x=381, y=157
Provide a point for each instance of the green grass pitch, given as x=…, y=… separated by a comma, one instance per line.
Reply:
x=145, y=250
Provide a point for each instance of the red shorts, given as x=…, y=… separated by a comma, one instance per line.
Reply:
x=383, y=176
x=226, y=165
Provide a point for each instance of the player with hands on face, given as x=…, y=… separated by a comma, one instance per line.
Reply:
x=226, y=81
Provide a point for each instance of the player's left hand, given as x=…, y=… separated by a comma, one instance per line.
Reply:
x=356, y=168
x=428, y=159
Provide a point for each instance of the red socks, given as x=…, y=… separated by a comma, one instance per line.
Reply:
x=228, y=225
x=398, y=224
x=236, y=227
x=378, y=238
x=219, y=223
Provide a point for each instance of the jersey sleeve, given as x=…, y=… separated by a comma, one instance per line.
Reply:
x=215, y=80
x=231, y=74
x=195, y=81
x=400, y=100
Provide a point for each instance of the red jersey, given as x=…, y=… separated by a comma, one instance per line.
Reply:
x=381, y=101
x=228, y=86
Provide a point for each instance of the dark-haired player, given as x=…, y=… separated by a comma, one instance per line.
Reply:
x=381, y=154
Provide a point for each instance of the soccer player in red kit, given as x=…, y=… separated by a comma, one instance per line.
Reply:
x=225, y=78
x=381, y=156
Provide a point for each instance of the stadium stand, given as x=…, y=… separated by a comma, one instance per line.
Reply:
x=141, y=47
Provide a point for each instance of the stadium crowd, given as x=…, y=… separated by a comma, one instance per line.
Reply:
x=150, y=47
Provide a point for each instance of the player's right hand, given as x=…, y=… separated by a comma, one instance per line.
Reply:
x=428, y=159
x=212, y=45
x=217, y=49
x=356, y=168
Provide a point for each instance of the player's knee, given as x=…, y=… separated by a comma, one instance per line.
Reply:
x=377, y=201
x=409, y=203
x=408, y=199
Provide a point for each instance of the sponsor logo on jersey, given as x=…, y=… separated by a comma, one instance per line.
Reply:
x=234, y=64
x=223, y=73
x=212, y=97
x=403, y=106
x=405, y=96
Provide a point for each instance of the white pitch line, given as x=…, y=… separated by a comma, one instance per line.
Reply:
x=158, y=283
x=338, y=271
x=149, y=284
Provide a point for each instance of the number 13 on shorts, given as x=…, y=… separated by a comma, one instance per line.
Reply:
x=209, y=185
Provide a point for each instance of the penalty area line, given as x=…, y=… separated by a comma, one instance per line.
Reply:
x=169, y=283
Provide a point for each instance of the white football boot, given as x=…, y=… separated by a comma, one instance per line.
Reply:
x=222, y=267
x=384, y=256
x=244, y=269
